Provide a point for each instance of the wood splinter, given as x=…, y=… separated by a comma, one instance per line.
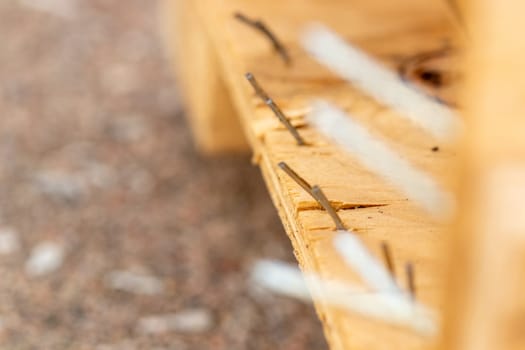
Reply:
x=261, y=27
x=316, y=193
x=276, y=110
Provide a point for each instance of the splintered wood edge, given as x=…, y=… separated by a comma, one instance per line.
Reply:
x=412, y=235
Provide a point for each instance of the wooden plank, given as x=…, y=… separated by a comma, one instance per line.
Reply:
x=213, y=119
x=394, y=33
x=486, y=305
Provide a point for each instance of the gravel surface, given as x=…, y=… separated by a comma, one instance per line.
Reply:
x=114, y=232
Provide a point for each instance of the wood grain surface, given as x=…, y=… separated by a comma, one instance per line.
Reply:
x=485, y=304
x=397, y=33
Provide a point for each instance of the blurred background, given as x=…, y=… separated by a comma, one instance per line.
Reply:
x=114, y=232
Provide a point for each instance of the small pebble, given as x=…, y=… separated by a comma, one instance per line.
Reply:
x=45, y=258
x=99, y=175
x=9, y=241
x=141, y=182
x=60, y=185
x=128, y=129
x=131, y=282
x=186, y=321
x=126, y=344
x=120, y=79
x=61, y=8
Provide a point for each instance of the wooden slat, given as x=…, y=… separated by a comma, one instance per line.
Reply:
x=214, y=121
x=393, y=32
x=486, y=303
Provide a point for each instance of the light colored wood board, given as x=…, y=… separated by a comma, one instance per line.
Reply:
x=409, y=240
x=486, y=304
x=311, y=232
x=392, y=32
x=294, y=95
x=213, y=119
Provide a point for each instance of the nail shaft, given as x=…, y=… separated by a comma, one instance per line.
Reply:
x=261, y=27
x=258, y=89
x=387, y=255
x=316, y=193
x=321, y=198
x=409, y=271
x=276, y=110
x=300, y=181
